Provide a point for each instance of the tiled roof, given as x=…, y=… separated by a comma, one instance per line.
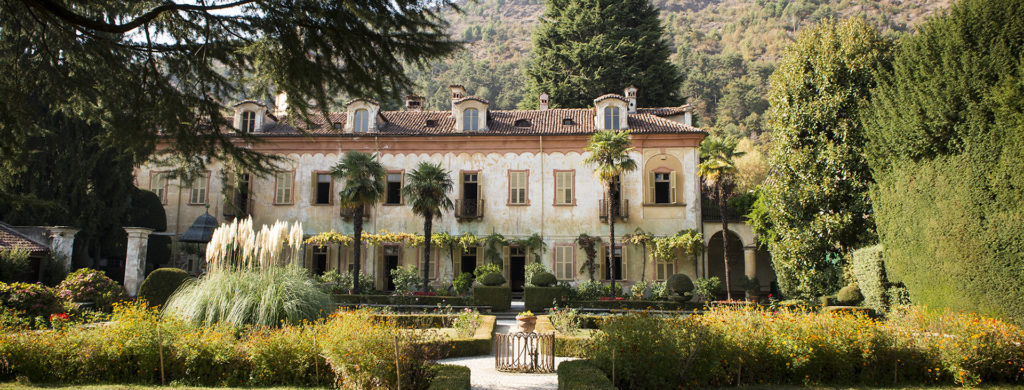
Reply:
x=557, y=121
x=610, y=96
x=12, y=239
x=663, y=111
x=256, y=102
x=477, y=98
x=371, y=101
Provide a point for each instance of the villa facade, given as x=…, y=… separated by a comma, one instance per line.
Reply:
x=517, y=173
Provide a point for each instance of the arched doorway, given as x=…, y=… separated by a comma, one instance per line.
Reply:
x=716, y=267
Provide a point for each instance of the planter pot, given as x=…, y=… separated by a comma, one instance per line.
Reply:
x=526, y=324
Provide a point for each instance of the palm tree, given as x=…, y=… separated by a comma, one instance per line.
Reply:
x=718, y=168
x=427, y=192
x=364, y=186
x=609, y=154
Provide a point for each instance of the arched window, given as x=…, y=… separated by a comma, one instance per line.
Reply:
x=611, y=118
x=471, y=119
x=248, y=124
x=361, y=123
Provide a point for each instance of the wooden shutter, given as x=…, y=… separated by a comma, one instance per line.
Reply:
x=308, y=258
x=625, y=264
x=331, y=253
x=462, y=186
x=650, y=187
x=313, y=183
x=479, y=193
x=672, y=186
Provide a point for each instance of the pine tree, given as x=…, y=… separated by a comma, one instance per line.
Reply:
x=583, y=49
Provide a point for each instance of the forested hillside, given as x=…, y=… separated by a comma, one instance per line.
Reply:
x=727, y=49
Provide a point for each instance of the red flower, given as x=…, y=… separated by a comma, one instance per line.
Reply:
x=59, y=317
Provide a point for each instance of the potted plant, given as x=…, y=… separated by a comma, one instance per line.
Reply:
x=526, y=321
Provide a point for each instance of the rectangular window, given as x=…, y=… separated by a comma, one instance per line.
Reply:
x=323, y=189
x=662, y=190
x=283, y=188
x=564, y=187
x=158, y=184
x=517, y=187
x=393, y=189
x=665, y=270
x=197, y=194
x=564, y=267
x=319, y=265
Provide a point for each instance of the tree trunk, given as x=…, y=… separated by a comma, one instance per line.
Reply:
x=428, y=223
x=611, y=240
x=357, y=247
x=643, y=271
x=725, y=242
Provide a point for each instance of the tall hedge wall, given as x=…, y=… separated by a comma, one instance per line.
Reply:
x=946, y=145
x=869, y=270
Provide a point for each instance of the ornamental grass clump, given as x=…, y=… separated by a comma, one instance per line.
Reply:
x=252, y=280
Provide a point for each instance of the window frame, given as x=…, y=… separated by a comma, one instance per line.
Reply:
x=435, y=264
x=401, y=185
x=572, y=187
x=316, y=185
x=206, y=190
x=365, y=128
x=248, y=125
x=572, y=260
x=291, y=193
x=470, y=125
x=526, y=187
x=673, y=263
x=612, y=112
x=167, y=181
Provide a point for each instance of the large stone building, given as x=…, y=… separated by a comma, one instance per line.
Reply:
x=517, y=172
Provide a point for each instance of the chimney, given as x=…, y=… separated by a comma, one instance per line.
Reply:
x=280, y=104
x=688, y=115
x=631, y=97
x=458, y=92
x=543, y=103
x=414, y=103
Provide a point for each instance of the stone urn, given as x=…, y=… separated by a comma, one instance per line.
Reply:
x=526, y=323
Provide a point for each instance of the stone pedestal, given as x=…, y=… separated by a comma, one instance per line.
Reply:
x=135, y=258
x=62, y=244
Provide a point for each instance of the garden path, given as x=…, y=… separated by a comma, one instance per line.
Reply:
x=483, y=376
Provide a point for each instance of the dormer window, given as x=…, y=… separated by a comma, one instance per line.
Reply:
x=611, y=118
x=522, y=123
x=568, y=122
x=361, y=123
x=471, y=119
x=248, y=124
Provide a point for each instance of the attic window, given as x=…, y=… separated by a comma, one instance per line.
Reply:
x=568, y=122
x=336, y=125
x=431, y=123
x=248, y=122
x=523, y=123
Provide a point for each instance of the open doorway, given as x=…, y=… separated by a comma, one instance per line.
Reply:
x=319, y=265
x=468, y=260
x=390, y=264
x=517, y=268
x=616, y=264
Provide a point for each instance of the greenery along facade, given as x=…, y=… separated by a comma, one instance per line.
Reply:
x=517, y=173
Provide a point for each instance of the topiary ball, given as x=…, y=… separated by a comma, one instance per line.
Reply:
x=161, y=283
x=492, y=279
x=544, y=279
x=849, y=295
x=679, y=284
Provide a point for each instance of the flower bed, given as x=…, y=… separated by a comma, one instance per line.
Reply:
x=736, y=346
x=402, y=300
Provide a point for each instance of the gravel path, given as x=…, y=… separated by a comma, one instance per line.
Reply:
x=483, y=376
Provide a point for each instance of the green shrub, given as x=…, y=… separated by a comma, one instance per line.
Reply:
x=679, y=284
x=463, y=283
x=828, y=300
x=532, y=270
x=488, y=268
x=581, y=374
x=492, y=279
x=538, y=299
x=947, y=150
x=89, y=285
x=430, y=300
x=849, y=295
x=638, y=305
x=656, y=365
x=499, y=298
x=30, y=300
x=161, y=283
x=449, y=377
x=341, y=283
x=544, y=279
x=589, y=290
x=869, y=271
x=14, y=265
x=267, y=297
x=707, y=288
x=659, y=290
x=479, y=343
x=407, y=279
x=752, y=286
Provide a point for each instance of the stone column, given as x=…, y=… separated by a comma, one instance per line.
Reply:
x=135, y=259
x=750, y=262
x=62, y=242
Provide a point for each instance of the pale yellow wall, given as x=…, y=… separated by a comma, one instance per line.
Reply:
x=557, y=224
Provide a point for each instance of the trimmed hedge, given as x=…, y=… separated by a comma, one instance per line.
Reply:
x=869, y=270
x=449, y=377
x=581, y=374
x=161, y=283
x=402, y=300
x=566, y=346
x=538, y=299
x=638, y=305
x=499, y=298
x=479, y=344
